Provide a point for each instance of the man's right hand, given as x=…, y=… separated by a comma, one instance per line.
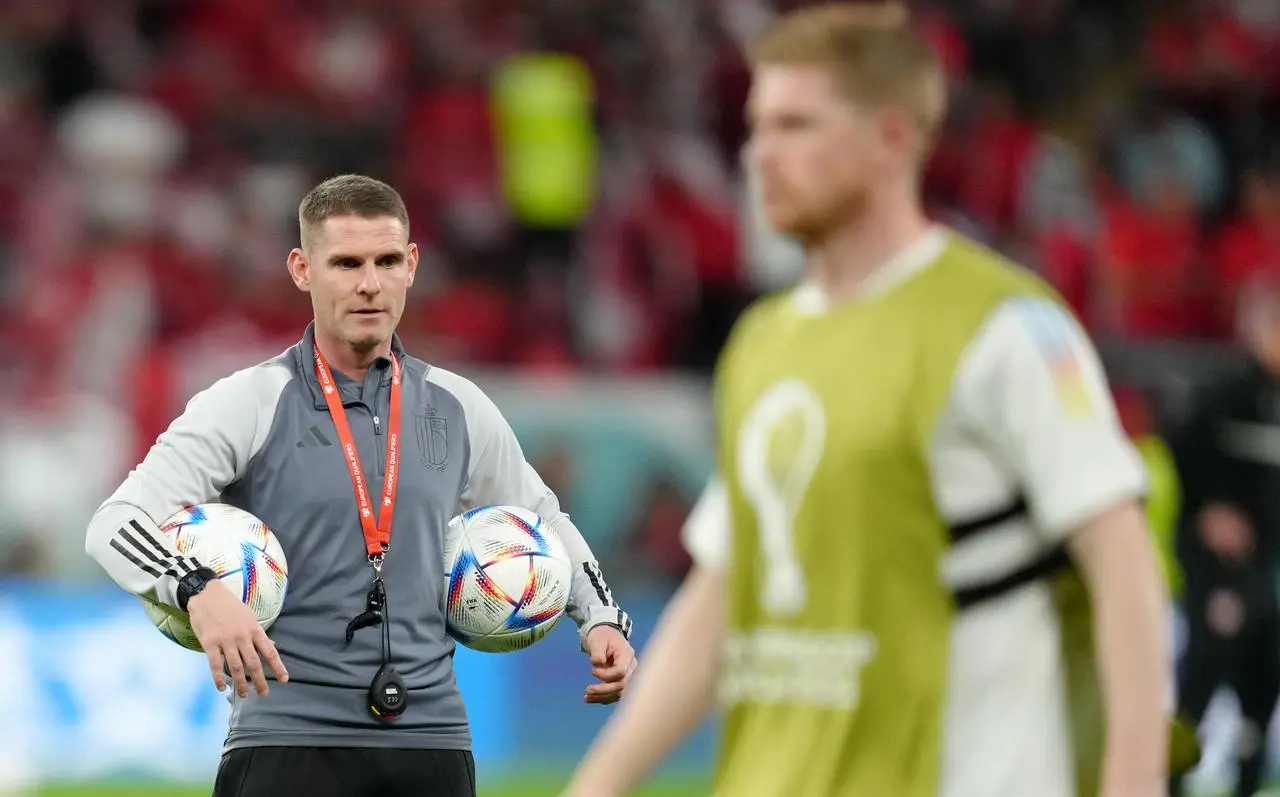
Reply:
x=228, y=631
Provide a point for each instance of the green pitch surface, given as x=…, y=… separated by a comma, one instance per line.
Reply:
x=544, y=787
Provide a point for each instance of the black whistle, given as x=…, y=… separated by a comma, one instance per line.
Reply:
x=388, y=696
x=372, y=614
x=363, y=620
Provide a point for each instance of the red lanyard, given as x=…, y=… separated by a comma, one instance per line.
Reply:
x=377, y=537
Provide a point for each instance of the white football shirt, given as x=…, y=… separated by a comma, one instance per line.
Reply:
x=1030, y=415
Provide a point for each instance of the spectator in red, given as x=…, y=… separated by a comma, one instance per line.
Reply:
x=1200, y=47
x=1067, y=261
x=1058, y=202
x=446, y=144
x=680, y=257
x=1150, y=266
x=995, y=154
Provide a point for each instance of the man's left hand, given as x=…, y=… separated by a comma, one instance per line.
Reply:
x=612, y=661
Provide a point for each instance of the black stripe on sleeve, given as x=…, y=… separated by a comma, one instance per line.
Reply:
x=185, y=563
x=162, y=562
x=141, y=565
x=607, y=591
x=1052, y=563
x=597, y=583
x=1015, y=509
x=156, y=548
x=606, y=597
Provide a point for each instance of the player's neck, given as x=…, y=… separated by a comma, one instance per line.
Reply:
x=342, y=357
x=843, y=260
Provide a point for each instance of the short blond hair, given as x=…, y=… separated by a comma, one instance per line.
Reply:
x=875, y=56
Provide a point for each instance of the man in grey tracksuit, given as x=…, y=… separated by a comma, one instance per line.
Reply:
x=265, y=439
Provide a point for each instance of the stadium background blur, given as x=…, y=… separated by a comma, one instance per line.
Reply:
x=571, y=171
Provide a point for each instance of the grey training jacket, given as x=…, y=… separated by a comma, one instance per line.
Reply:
x=262, y=439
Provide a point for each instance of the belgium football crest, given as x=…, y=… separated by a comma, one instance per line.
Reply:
x=433, y=439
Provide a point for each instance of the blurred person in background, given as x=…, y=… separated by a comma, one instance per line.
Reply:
x=1150, y=271
x=1248, y=246
x=548, y=156
x=1228, y=457
x=655, y=534
x=921, y=490
x=1164, y=145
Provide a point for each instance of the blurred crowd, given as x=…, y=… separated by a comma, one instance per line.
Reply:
x=572, y=174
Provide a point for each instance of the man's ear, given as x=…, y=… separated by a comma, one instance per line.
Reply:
x=413, y=262
x=299, y=270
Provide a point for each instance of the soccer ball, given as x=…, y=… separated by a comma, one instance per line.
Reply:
x=238, y=547
x=507, y=579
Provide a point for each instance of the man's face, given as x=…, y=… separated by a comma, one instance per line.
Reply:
x=358, y=271
x=813, y=151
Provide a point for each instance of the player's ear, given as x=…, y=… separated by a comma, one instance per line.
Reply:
x=899, y=132
x=413, y=262
x=299, y=270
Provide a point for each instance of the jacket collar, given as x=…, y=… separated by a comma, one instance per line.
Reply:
x=303, y=360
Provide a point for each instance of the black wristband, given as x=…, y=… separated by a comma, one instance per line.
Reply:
x=193, y=584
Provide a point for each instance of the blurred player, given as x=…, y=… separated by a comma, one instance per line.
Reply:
x=922, y=488
x=1229, y=542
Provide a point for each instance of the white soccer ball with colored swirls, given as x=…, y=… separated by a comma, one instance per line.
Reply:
x=507, y=578
x=238, y=547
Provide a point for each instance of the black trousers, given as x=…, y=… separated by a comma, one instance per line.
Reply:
x=1247, y=662
x=345, y=772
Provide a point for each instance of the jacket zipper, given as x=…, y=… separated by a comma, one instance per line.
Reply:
x=382, y=445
